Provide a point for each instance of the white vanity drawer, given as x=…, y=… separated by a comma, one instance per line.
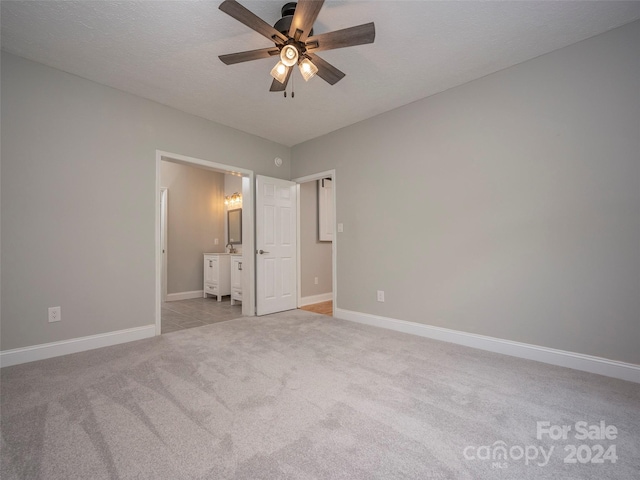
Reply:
x=213, y=289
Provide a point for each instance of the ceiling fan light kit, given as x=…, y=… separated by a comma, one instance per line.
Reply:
x=295, y=42
x=307, y=69
x=279, y=72
x=289, y=55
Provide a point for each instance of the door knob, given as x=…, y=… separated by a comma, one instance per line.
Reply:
x=262, y=252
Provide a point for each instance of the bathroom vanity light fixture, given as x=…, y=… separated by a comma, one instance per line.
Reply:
x=233, y=201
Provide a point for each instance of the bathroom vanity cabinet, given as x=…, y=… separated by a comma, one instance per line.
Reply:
x=236, y=278
x=217, y=275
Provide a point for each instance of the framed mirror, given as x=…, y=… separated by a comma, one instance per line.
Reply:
x=234, y=226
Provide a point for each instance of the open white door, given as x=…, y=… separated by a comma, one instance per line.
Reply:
x=276, y=268
x=164, y=198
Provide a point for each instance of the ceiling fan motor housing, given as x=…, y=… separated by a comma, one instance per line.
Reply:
x=283, y=25
x=288, y=9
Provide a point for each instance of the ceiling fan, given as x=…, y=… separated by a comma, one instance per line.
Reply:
x=295, y=42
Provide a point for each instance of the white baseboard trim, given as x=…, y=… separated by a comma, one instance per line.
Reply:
x=17, y=356
x=562, y=358
x=184, y=295
x=310, y=300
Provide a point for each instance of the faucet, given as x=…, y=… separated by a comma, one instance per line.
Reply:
x=231, y=247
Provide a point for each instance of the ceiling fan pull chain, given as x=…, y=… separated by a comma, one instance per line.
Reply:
x=293, y=94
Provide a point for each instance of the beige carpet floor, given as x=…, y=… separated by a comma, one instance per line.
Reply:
x=299, y=395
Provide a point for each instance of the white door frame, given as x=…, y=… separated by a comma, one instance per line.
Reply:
x=334, y=245
x=164, y=202
x=248, y=236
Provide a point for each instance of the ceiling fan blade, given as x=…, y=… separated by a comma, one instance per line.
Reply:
x=251, y=20
x=304, y=17
x=276, y=86
x=326, y=71
x=231, y=58
x=347, y=37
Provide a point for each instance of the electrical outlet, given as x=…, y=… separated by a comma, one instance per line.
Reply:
x=381, y=295
x=55, y=314
x=215, y=241
x=315, y=280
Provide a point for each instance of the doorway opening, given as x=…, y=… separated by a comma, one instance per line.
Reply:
x=247, y=276
x=317, y=243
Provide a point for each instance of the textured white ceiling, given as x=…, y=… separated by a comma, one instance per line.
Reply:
x=167, y=51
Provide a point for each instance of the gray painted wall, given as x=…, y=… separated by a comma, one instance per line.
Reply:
x=315, y=256
x=508, y=206
x=78, y=199
x=195, y=218
x=518, y=215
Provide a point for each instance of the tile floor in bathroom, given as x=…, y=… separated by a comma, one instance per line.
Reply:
x=196, y=312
